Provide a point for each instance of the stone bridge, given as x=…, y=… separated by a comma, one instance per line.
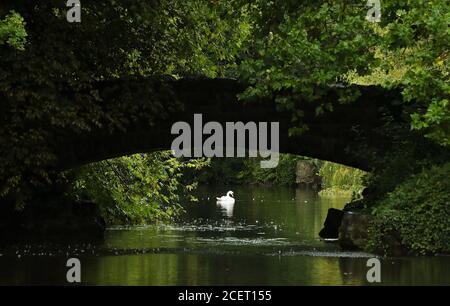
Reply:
x=337, y=136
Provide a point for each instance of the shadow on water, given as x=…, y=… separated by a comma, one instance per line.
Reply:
x=269, y=237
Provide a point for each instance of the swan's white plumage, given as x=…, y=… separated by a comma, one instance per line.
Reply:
x=227, y=198
x=227, y=203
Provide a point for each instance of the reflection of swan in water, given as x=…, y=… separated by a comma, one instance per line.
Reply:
x=227, y=203
x=227, y=208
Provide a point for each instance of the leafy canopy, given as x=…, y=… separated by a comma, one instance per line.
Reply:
x=290, y=50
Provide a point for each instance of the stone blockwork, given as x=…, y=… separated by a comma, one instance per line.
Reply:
x=353, y=232
x=351, y=228
x=306, y=175
x=338, y=136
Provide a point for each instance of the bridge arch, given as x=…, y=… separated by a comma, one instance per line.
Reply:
x=335, y=136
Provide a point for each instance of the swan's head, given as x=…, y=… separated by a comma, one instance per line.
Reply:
x=230, y=194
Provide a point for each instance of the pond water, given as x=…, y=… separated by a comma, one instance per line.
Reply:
x=269, y=237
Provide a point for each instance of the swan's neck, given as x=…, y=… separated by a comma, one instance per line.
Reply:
x=229, y=194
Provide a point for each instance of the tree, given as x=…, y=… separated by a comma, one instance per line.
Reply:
x=305, y=47
x=50, y=68
x=293, y=51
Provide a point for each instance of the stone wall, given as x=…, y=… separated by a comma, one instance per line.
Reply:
x=306, y=175
x=353, y=232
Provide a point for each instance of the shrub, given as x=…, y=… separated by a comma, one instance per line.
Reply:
x=240, y=171
x=416, y=213
x=339, y=179
x=136, y=189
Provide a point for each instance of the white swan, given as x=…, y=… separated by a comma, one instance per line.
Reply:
x=226, y=203
x=228, y=199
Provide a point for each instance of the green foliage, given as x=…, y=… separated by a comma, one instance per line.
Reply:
x=416, y=213
x=282, y=175
x=414, y=40
x=12, y=31
x=240, y=171
x=336, y=179
x=336, y=175
x=307, y=47
x=437, y=114
x=340, y=179
x=423, y=26
x=303, y=48
x=405, y=158
x=292, y=51
x=137, y=189
x=223, y=171
x=49, y=88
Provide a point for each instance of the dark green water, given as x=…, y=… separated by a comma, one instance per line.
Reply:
x=269, y=237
